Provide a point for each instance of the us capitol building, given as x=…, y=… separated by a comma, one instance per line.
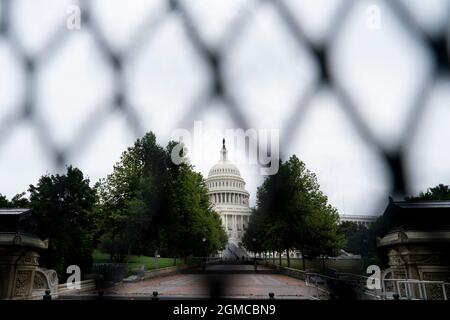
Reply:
x=229, y=197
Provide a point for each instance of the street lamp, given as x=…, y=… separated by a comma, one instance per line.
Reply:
x=254, y=248
x=204, y=253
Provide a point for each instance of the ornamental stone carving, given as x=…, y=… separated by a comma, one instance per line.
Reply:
x=23, y=283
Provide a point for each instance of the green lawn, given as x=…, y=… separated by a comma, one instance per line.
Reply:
x=135, y=262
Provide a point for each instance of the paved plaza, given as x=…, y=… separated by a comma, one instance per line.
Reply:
x=250, y=286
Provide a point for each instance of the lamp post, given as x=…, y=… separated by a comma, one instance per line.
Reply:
x=204, y=253
x=254, y=248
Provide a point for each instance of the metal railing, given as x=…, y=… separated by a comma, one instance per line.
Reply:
x=413, y=289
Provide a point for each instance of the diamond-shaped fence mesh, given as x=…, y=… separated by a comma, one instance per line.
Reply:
x=211, y=81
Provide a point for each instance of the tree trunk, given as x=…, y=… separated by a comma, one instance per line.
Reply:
x=288, y=258
x=303, y=262
x=128, y=253
x=273, y=256
x=279, y=256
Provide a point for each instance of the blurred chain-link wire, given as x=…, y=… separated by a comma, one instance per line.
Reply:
x=215, y=57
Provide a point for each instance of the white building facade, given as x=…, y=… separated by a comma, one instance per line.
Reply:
x=358, y=219
x=229, y=197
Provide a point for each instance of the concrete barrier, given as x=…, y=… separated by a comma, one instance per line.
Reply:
x=294, y=273
x=162, y=272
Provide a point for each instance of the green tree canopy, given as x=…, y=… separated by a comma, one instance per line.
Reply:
x=18, y=201
x=63, y=205
x=292, y=213
x=439, y=192
x=358, y=238
x=151, y=204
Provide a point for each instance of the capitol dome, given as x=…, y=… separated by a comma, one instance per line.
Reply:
x=226, y=189
x=224, y=167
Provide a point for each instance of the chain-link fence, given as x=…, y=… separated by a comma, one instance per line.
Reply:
x=213, y=59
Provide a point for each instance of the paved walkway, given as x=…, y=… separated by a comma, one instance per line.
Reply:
x=235, y=267
x=256, y=286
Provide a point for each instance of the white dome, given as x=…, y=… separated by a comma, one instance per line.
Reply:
x=224, y=168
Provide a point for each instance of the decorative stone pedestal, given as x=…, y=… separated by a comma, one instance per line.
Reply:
x=20, y=275
x=417, y=244
x=418, y=255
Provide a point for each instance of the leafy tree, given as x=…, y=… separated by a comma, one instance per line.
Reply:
x=357, y=237
x=292, y=213
x=190, y=216
x=152, y=204
x=131, y=198
x=325, y=238
x=4, y=203
x=18, y=201
x=440, y=192
x=63, y=205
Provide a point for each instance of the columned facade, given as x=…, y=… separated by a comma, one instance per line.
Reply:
x=229, y=197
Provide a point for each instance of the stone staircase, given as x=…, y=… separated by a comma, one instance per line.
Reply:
x=235, y=253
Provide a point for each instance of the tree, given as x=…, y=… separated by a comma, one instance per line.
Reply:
x=325, y=238
x=190, y=216
x=152, y=204
x=358, y=238
x=130, y=200
x=18, y=201
x=292, y=213
x=63, y=205
x=440, y=192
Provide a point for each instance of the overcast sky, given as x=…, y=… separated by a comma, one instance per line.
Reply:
x=268, y=72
